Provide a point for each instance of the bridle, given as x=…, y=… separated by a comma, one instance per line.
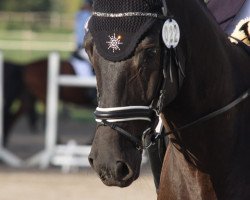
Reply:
x=111, y=116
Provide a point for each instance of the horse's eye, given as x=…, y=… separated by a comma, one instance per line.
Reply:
x=151, y=52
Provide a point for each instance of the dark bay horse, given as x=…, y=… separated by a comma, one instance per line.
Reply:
x=35, y=79
x=13, y=90
x=28, y=84
x=200, y=87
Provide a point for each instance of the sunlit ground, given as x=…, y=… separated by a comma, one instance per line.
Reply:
x=84, y=185
x=52, y=183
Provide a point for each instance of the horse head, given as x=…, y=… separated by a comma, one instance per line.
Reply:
x=138, y=58
x=128, y=63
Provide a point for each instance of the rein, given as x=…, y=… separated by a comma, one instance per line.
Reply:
x=150, y=136
x=234, y=103
x=110, y=116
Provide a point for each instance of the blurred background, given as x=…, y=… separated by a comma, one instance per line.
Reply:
x=29, y=32
x=30, y=29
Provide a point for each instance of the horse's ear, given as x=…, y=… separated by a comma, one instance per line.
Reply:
x=88, y=45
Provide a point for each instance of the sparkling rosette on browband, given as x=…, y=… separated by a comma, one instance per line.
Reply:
x=118, y=25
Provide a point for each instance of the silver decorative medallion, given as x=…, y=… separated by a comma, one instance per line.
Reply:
x=171, y=33
x=114, y=42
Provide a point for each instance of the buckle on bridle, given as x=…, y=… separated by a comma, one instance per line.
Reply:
x=149, y=138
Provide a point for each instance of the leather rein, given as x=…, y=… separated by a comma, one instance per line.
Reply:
x=109, y=116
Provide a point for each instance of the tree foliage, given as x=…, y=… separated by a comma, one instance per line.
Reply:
x=25, y=5
x=68, y=6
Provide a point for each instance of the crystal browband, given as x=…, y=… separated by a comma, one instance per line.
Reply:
x=128, y=14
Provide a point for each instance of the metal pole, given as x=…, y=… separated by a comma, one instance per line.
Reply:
x=51, y=153
x=51, y=108
x=72, y=80
x=52, y=101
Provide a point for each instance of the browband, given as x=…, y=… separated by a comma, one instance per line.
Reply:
x=128, y=14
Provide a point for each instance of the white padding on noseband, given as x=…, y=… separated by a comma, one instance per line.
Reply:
x=113, y=109
x=122, y=108
x=126, y=119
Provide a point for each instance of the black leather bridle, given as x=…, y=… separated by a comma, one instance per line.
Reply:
x=110, y=116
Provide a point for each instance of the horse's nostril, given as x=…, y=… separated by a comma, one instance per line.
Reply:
x=123, y=172
x=91, y=162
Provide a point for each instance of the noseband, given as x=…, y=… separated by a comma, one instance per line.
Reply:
x=121, y=114
x=110, y=116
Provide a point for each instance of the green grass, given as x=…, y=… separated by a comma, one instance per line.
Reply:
x=75, y=112
x=25, y=56
x=34, y=35
x=81, y=114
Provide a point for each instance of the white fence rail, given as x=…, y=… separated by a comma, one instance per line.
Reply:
x=31, y=45
x=52, y=20
x=51, y=152
x=68, y=155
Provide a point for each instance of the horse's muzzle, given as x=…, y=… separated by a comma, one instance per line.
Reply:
x=119, y=174
x=116, y=161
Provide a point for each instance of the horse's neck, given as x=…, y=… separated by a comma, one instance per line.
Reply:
x=204, y=40
x=209, y=71
x=180, y=180
x=196, y=20
x=216, y=74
